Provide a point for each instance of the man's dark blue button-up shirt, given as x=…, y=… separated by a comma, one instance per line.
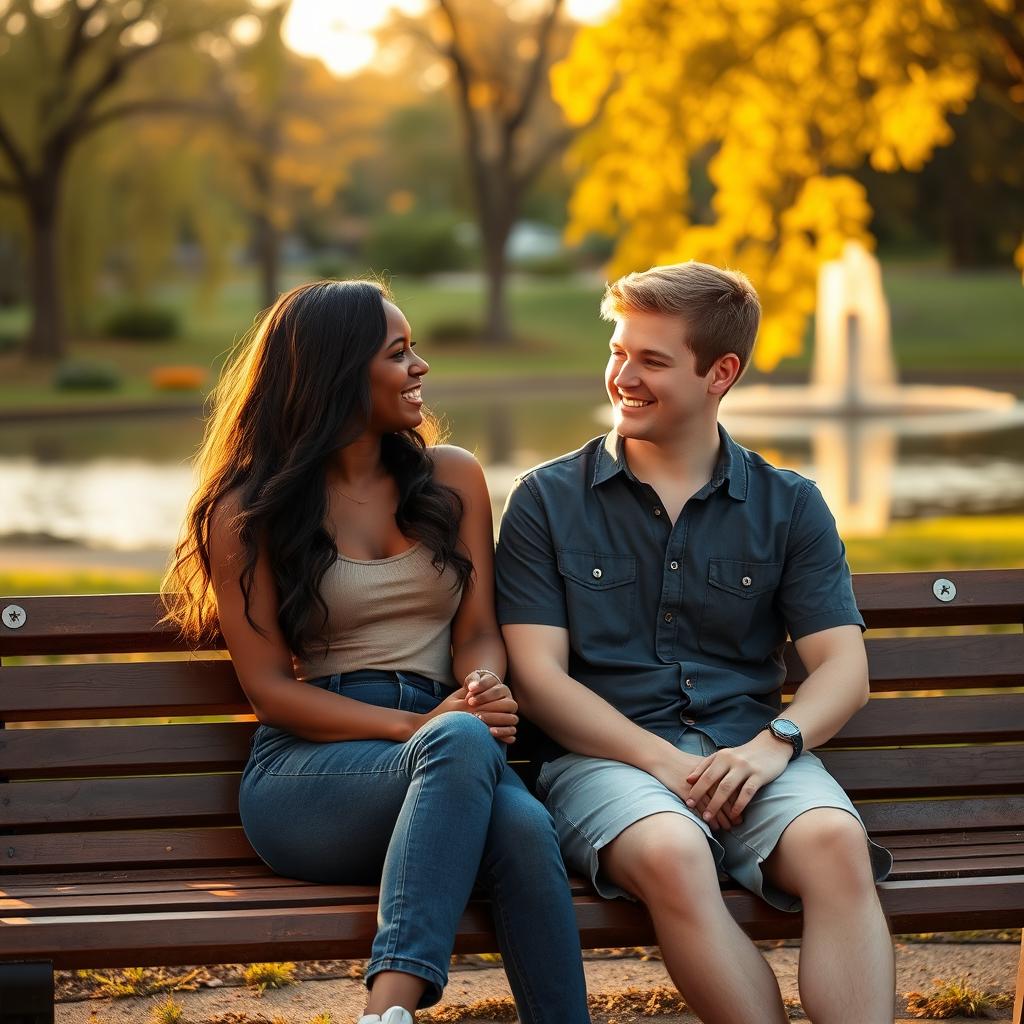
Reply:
x=676, y=625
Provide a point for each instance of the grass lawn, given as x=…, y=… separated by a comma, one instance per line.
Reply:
x=941, y=321
x=977, y=542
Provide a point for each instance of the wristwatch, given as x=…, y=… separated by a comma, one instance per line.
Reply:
x=784, y=729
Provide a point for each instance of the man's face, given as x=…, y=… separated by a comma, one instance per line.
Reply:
x=652, y=380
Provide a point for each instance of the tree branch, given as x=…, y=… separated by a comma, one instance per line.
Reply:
x=149, y=108
x=557, y=143
x=464, y=84
x=537, y=68
x=17, y=161
x=78, y=42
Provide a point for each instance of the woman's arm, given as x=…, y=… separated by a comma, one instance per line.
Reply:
x=476, y=639
x=263, y=663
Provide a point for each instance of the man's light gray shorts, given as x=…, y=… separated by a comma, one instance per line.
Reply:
x=593, y=800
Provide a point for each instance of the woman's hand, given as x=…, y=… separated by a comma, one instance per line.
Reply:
x=488, y=699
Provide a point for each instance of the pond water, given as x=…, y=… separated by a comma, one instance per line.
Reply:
x=122, y=482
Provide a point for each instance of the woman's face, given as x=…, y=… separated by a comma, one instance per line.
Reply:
x=395, y=373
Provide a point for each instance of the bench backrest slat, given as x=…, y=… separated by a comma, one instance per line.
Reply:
x=123, y=750
x=210, y=687
x=39, y=693
x=128, y=622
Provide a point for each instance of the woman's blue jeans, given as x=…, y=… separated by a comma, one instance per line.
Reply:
x=427, y=820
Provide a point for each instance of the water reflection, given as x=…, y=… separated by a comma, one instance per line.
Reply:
x=122, y=484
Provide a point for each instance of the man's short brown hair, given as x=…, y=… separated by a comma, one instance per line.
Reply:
x=719, y=308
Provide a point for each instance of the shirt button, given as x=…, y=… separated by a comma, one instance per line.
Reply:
x=689, y=684
x=597, y=574
x=668, y=616
x=746, y=581
x=673, y=565
x=689, y=721
x=657, y=511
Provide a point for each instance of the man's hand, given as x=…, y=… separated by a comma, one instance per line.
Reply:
x=726, y=781
x=674, y=771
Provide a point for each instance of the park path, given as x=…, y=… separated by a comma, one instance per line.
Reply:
x=989, y=966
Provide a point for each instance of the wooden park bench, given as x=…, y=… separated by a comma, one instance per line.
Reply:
x=120, y=843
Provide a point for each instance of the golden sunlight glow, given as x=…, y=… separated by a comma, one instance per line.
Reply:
x=341, y=33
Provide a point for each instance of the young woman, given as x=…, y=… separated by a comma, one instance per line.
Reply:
x=349, y=565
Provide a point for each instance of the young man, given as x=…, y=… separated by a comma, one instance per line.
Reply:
x=646, y=584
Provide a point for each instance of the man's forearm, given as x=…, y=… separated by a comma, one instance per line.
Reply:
x=581, y=721
x=827, y=699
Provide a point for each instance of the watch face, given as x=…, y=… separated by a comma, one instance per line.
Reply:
x=784, y=727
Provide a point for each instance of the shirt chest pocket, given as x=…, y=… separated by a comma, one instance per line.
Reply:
x=739, y=619
x=600, y=597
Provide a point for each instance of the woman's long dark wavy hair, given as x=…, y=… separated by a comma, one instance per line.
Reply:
x=295, y=391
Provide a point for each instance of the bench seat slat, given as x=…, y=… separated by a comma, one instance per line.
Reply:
x=147, y=939
x=959, y=859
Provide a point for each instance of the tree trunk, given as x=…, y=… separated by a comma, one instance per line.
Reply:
x=267, y=238
x=497, y=215
x=497, y=327
x=47, y=339
x=268, y=258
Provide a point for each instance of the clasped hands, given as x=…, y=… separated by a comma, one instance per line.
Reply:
x=484, y=695
x=720, y=786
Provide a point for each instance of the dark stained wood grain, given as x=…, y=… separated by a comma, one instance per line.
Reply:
x=982, y=718
x=124, y=690
x=84, y=624
x=128, y=622
x=130, y=848
x=100, y=868
x=935, y=662
x=897, y=817
x=928, y=771
x=124, y=750
x=984, y=596
x=321, y=932
x=120, y=803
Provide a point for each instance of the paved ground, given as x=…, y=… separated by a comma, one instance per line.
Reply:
x=990, y=967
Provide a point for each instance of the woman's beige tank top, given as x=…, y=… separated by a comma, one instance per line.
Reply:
x=391, y=613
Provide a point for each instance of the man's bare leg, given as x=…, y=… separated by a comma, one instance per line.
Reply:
x=847, y=975
x=665, y=861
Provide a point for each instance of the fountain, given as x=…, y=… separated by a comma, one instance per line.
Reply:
x=854, y=409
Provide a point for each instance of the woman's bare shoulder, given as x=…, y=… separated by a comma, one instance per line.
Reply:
x=455, y=467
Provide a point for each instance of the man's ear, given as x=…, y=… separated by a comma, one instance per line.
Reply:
x=723, y=374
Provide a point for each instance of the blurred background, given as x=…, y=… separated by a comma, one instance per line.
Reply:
x=168, y=167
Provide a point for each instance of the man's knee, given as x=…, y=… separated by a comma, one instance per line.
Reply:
x=663, y=859
x=823, y=851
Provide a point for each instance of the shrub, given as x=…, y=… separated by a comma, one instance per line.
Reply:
x=955, y=998
x=177, y=378
x=453, y=330
x=10, y=343
x=416, y=243
x=85, y=375
x=264, y=976
x=556, y=265
x=143, y=322
x=167, y=1012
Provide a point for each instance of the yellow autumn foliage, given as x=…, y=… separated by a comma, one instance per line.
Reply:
x=774, y=100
